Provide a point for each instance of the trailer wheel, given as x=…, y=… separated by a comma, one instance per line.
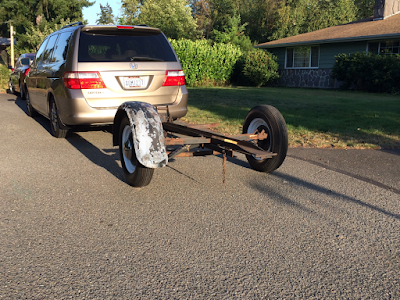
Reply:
x=268, y=118
x=135, y=173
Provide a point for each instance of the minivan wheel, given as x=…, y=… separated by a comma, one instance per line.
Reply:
x=57, y=129
x=269, y=119
x=22, y=91
x=30, y=110
x=135, y=173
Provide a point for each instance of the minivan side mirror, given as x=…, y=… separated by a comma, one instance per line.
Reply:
x=25, y=61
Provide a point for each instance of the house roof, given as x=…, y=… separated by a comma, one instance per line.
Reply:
x=361, y=30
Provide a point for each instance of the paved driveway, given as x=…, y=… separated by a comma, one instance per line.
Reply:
x=70, y=227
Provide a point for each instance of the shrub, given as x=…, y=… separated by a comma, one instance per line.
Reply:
x=370, y=72
x=204, y=64
x=4, y=76
x=221, y=63
x=256, y=68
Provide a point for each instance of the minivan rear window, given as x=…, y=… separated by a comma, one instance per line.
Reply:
x=95, y=47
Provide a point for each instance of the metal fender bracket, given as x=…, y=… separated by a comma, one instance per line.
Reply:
x=147, y=132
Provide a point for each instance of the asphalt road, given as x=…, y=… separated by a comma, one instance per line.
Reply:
x=323, y=226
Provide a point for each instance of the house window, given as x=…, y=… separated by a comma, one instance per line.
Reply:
x=386, y=47
x=302, y=57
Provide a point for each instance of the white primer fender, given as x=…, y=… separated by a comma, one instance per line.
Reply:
x=148, y=134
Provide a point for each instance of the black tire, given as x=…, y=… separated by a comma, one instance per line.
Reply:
x=58, y=130
x=271, y=120
x=30, y=110
x=22, y=91
x=135, y=173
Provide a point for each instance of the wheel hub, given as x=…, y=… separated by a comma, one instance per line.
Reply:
x=128, y=147
x=258, y=125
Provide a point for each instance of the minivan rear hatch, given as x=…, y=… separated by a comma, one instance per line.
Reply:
x=132, y=61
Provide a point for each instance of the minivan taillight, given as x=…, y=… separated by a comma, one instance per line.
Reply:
x=83, y=80
x=172, y=78
x=26, y=72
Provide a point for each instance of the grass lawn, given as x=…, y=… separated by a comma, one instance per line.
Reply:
x=315, y=118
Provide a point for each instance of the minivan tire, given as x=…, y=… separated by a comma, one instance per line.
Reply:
x=29, y=109
x=22, y=91
x=58, y=130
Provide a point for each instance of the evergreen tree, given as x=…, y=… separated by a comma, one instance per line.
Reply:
x=106, y=15
x=233, y=34
x=35, y=34
x=221, y=12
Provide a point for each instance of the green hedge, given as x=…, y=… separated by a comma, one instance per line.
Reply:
x=222, y=64
x=370, y=72
x=204, y=64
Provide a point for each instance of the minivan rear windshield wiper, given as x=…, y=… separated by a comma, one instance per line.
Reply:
x=144, y=58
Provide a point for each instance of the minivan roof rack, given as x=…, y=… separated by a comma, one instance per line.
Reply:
x=72, y=24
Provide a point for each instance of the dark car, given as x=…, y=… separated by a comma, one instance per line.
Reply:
x=17, y=77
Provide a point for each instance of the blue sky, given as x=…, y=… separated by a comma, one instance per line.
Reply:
x=90, y=13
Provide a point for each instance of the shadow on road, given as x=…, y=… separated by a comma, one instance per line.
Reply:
x=302, y=183
x=40, y=119
x=106, y=158
x=391, y=151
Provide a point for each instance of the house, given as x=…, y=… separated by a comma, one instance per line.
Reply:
x=305, y=60
x=5, y=42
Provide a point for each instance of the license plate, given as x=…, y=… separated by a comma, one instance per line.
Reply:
x=134, y=82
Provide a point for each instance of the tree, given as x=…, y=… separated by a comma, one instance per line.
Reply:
x=35, y=34
x=172, y=17
x=234, y=34
x=259, y=15
x=218, y=14
x=106, y=15
x=130, y=11
x=300, y=16
x=201, y=10
x=221, y=11
x=27, y=12
x=365, y=8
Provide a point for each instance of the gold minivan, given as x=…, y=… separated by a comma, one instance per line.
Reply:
x=83, y=73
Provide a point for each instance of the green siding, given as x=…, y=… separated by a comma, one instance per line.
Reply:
x=280, y=54
x=327, y=52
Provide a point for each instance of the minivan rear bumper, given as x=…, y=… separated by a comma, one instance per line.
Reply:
x=76, y=111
